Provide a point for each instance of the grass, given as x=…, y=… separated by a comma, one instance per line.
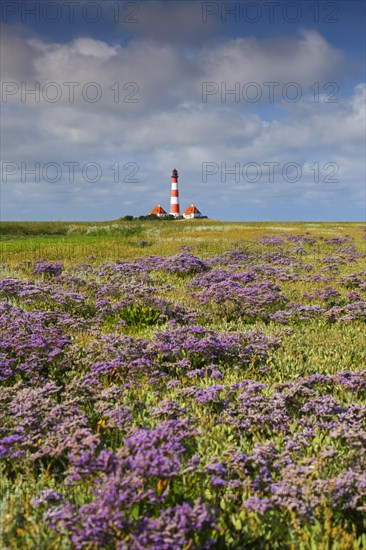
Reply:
x=307, y=348
x=77, y=241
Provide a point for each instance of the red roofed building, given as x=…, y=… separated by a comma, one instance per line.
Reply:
x=158, y=211
x=192, y=212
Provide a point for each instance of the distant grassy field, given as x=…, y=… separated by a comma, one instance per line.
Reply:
x=77, y=241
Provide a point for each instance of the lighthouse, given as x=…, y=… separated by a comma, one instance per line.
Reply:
x=174, y=196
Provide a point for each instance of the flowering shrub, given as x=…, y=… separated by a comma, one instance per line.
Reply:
x=237, y=295
x=48, y=269
x=183, y=264
x=137, y=409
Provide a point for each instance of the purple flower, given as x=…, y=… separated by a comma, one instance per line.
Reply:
x=48, y=269
x=47, y=496
x=218, y=481
x=258, y=505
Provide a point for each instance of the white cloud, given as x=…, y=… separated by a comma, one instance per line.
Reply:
x=171, y=126
x=303, y=59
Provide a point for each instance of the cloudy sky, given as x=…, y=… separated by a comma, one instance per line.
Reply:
x=260, y=106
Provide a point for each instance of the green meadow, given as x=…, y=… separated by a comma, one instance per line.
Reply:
x=76, y=241
x=303, y=382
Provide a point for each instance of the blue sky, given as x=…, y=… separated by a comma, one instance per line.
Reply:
x=259, y=105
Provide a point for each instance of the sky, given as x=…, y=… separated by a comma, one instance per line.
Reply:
x=260, y=105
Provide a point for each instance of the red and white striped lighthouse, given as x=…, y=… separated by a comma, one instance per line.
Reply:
x=174, y=196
